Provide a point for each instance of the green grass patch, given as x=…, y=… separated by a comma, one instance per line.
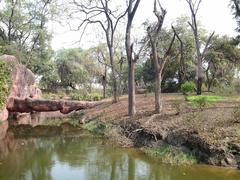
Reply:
x=171, y=155
x=203, y=100
x=5, y=81
x=210, y=99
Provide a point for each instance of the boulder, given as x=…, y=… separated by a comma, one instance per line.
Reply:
x=23, y=84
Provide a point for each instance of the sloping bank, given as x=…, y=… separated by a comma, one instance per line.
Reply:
x=210, y=135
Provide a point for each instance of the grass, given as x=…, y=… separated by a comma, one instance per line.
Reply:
x=171, y=155
x=209, y=99
x=203, y=100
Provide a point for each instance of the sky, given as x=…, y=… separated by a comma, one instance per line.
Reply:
x=215, y=15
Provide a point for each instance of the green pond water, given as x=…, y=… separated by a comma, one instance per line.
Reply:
x=70, y=158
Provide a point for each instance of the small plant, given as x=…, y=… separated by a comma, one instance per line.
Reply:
x=187, y=87
x=202, y=101
x=177, y=106
x=236, y=115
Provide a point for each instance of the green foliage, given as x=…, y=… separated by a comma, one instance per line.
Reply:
x=148, y=72
x=171, y=155
x=24, y=33
x=75, y=67
x=203, y=100
x=95, y=127
x=187, y=87
x=79, y=96
x=138, y=73
x=4, y=82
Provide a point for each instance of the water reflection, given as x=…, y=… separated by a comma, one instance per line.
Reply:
x=92, y=158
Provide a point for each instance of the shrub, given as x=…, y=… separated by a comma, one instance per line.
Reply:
x=95, y=127
x=79, y=96
x=201, y=102
x=187, y=87
x=4, y=82
x=236, y=115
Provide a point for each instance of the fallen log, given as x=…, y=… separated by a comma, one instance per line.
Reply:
x=28, y=105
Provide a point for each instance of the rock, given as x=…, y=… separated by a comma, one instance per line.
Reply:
x=23, y=85
x=3, y=114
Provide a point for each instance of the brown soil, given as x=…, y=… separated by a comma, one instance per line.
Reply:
x=212, y=134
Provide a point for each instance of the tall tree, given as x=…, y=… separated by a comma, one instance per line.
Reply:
x=23, y=31
x=131, y=11
x=222, y=59
x=194, y=7
x=159, y=61
x=100, y=12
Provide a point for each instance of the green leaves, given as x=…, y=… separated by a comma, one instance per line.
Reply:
x=187, y=87
x=4, y=82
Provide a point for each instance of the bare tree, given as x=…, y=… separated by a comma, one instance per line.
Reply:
x=99, y=12
x=154, y=32
x=132, y=8
x=194, y=7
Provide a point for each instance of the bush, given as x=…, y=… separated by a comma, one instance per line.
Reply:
x=85, y=96
x=95, y=127
x=4, y=82
x=187, y=87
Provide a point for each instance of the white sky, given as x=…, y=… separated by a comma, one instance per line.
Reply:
x=215, y=15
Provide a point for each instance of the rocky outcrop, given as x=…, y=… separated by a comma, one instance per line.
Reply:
x=24, y=100
x=22, y=86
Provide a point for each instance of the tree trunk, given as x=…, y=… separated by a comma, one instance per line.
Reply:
x=199, y=75
x=104, y=82
x=131, y=70
x=131, y=89
x=114, y=87
x=158, y=101
x=35, y=105
x=199, y=85
x=199, y=65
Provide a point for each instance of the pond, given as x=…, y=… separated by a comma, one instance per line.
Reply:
x=63, y=158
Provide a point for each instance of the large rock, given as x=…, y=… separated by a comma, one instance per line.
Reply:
x=22, y=84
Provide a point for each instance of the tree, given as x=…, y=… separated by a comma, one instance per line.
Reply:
x=222, y=59
x=76, y=68
x=185, y=51
x=100, y=53
x=100, y=12
x=131, y=10
x=159, y=61
x=194, y=7
x=23, y=32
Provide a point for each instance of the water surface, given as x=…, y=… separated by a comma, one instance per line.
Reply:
x=70, y=158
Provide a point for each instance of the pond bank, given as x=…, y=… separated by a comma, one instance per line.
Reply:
x=211, y=135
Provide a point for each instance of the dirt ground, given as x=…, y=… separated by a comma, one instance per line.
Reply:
x=212, y=132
